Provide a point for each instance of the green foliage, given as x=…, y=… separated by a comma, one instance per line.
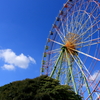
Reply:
x=40, y=88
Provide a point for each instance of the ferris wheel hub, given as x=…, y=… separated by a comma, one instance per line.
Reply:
x=71, y=42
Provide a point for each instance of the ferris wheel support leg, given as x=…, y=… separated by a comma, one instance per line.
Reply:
x=56, y=63
x=85, y=80
x=70, y=71
x=68, y=76
x=59, y=69
x=88, y=88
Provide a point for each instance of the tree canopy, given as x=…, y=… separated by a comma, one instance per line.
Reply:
x=40, y=88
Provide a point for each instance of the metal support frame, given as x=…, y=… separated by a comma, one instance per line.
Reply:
x=70, y=71
x=84, y=77
x=58, y=74
x=56, y=63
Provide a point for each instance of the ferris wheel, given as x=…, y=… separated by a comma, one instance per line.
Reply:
x=72, y=51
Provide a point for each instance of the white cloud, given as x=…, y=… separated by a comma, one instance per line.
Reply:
x=8, y=67
x=12, y=60
x=31, y=59
x=95, y=76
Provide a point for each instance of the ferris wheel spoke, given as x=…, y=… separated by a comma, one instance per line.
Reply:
x=63, y=35
x=71, y=28
x=87, y=30
x=85, y=54
x=60, y=35
x=82, y=18
x=56, y=42
x=79, y=7
x=94, y=23
x=89, y=42
x=79, y=25
x=63, y=28
x=76, y=22
x=53, y=58
x=84, y=25
x=72, y=23
x=66, y=25
x=53, y=51
x=92, y=33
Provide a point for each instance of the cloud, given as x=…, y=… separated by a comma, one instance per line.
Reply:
x=31, y=59
x=95, y=76
x=12, y=60
x=8, y=67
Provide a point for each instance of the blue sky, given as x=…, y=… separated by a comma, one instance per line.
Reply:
x=24, y=27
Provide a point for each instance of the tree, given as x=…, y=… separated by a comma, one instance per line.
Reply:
x=40, y=88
